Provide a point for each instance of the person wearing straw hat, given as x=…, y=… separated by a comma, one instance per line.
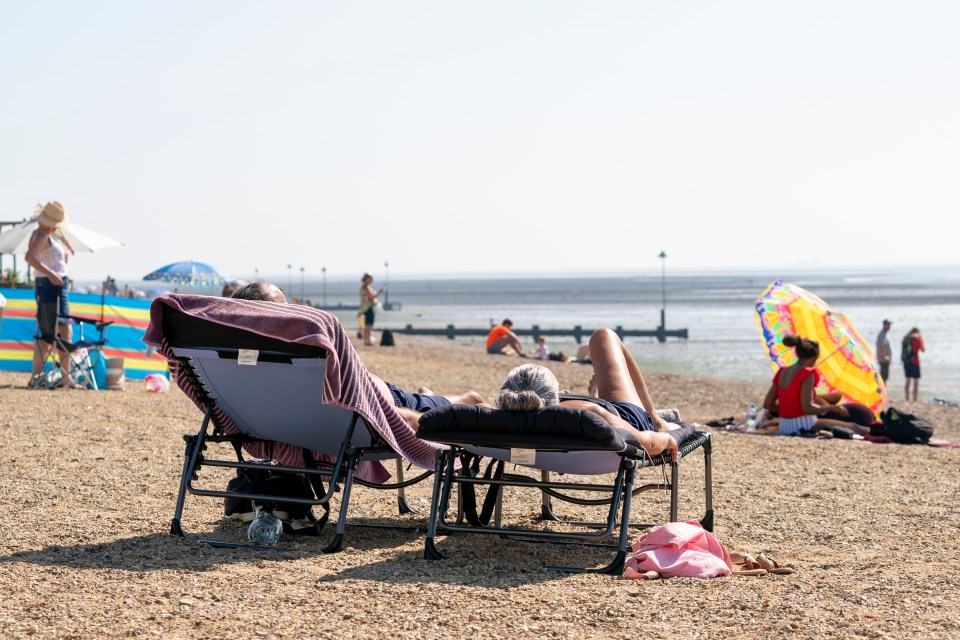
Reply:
x=48, y=253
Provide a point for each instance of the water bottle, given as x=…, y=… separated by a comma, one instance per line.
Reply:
x=265, y=528
x=751, y=417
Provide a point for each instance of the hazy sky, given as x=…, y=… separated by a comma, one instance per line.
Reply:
x=467, y=137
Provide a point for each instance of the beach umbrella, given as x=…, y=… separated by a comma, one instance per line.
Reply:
x=17, y=239
x=195, y=274
x=847, y=363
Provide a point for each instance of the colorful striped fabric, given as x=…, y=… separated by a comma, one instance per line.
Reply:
x=124, y=337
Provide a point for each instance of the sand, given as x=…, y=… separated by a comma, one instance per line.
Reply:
x=89, y=482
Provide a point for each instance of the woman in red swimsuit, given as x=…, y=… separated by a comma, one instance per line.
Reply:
x=792, y=394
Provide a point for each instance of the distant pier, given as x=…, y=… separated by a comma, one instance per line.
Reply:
x=578, y=332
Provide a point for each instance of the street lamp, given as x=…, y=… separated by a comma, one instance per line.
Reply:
x=324, y=270
x=301, y=286
x=386, y=284
x=663, y=284
x=289, y=279
x=256, y=273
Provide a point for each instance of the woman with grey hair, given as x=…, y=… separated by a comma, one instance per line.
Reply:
x=616, y=379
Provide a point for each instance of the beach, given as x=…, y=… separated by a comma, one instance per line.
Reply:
x=90, y=480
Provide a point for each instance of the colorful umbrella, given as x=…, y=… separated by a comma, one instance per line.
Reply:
x=847, y=363
x=195, y=274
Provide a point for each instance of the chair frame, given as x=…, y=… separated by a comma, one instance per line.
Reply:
x=225, y=345
x=619, y=494
x=78, y=352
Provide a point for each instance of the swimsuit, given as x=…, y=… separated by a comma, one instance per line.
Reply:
x=633, y=414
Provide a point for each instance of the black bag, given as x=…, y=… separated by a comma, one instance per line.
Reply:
x=271, y=483
x=903, y=427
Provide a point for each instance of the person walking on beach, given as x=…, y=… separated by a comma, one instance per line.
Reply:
x=48, y=255
x=368, y=304
x=884, y=354
x=910, y=349
x=501, y=337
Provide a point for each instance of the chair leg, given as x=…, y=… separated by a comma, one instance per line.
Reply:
x=707, y=521
x=402, y=503
x=337, y=542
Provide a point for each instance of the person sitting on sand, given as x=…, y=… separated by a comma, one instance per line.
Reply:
x=542, y=352
x=854, y=412
x=616, y=379
x=792, y=395
x=409, y=405
x=501, y=337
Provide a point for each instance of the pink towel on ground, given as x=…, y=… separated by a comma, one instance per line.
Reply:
x=678, y=549
x=347, y=383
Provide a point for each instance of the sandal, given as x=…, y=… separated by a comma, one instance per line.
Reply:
x=748, y=566
x=772, y=566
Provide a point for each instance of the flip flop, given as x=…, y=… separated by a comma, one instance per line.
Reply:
x=750, y=567
x=772, y=566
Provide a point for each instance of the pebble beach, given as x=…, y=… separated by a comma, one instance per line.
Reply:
x=89, y=484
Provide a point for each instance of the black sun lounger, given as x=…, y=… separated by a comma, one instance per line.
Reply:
x=268, y=389
x=557, y=439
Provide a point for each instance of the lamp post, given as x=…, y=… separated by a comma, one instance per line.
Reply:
x=324, y=270
x=386, y=284
x=289, y=279
x=256, y=273
x=302, y=299
x=663, y=285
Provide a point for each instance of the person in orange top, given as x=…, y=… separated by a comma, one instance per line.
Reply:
x=501, y=337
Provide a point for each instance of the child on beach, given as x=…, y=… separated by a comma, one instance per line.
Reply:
x=543, y=353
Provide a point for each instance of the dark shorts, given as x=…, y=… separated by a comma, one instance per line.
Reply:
x=53, y=306
x=884, y=370
x=911, y=370
x=633, y=414
x=416, y=401
x=368, y=316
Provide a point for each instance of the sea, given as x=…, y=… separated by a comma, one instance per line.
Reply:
x=716, y=309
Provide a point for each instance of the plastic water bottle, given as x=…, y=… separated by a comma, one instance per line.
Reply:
x=751, y=417
x=265, y=529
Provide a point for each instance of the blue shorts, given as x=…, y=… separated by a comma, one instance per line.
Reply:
x=368, y=317
x=633, y=414
x=416, y=401
x=53, y=305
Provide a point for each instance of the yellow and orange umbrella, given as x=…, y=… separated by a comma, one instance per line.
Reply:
x=847, y=363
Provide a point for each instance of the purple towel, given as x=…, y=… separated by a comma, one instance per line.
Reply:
x=347, y=383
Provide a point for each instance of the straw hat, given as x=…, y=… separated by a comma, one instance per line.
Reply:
x=52, y=215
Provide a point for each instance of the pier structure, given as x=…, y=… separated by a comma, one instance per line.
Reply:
x=578, y=332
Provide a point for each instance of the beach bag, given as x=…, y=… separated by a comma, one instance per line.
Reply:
x=906, y=351
x=903, y=427
x=268, y=482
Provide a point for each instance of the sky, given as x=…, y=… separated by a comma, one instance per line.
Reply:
x=508, y=137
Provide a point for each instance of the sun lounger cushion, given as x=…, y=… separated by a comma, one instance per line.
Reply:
x=554, y=428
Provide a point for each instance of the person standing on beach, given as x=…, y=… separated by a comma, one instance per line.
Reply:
x=48, y=255
x=501, y=337
x=884, y=354
x=910, y=349
x=368, y=305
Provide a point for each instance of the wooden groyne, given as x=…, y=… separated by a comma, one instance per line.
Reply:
x=578, y=332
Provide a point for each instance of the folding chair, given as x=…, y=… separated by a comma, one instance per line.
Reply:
x=557, y=439
x=268, y=395
x=83, y=354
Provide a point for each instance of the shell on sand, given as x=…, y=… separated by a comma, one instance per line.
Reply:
x=89, y=480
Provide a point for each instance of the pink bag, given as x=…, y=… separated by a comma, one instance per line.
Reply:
x=677, y=549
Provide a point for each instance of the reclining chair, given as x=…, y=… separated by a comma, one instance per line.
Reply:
x=78, y=359
x=557, y=439
x=280, y=382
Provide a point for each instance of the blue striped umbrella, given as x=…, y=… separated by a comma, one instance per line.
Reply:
x=195, y=274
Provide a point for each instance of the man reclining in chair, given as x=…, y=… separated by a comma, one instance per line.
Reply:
x=409, y=405
x=616, y=379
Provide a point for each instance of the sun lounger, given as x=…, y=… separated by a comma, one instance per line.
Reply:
x=280, y=382
x=557, y=439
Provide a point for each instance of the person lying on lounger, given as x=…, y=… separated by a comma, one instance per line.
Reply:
x=409, y=405
x=616, y=379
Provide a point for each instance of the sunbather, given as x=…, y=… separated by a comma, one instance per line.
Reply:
x=792, y=395
x=616, y=379
x=409, y=405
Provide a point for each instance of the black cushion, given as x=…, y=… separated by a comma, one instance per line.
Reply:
x=550, y=428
